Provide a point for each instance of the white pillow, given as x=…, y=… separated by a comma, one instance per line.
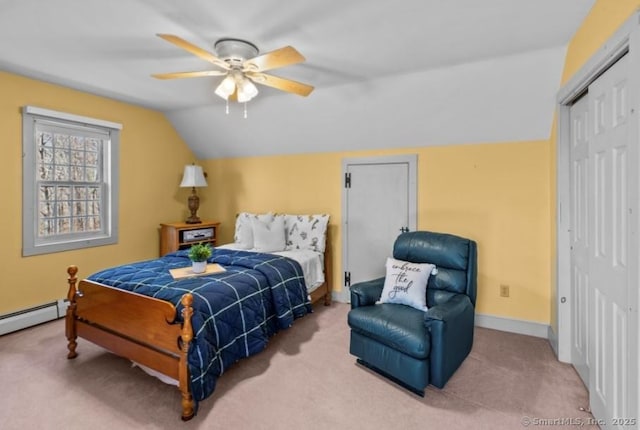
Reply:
x=406, y=283
x=306, y=232
x=268, y=236
x=244, y=230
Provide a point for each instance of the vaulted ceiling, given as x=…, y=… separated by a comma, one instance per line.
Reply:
x=386, y=74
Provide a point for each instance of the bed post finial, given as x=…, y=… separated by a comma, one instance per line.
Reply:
x=186, y=336
x=70, y=319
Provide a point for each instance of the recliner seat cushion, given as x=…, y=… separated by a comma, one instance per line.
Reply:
x=398, y=326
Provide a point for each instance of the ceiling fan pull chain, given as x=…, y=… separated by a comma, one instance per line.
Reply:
x=227, y=107
x=245, y=110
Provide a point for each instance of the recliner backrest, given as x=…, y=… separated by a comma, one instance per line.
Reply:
x=455, y=258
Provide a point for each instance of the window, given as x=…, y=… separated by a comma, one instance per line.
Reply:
x=70, y=181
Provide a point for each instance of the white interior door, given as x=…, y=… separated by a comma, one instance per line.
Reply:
x=610, y=154
x=379, y=202
x=580, y=132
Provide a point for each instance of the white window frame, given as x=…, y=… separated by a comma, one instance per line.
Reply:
x=108, y=234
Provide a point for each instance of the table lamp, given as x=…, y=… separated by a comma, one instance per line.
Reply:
x=193, y=177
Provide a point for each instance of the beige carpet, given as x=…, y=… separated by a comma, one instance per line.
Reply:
x=305, y=379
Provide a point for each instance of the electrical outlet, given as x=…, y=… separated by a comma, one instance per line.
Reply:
x=504, y=291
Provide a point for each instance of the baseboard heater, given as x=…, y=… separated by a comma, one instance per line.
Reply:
x=32, y=316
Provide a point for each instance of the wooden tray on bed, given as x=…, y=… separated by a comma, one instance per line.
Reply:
x=187, y=272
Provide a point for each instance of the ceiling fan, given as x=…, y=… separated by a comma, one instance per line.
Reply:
x=241, y=66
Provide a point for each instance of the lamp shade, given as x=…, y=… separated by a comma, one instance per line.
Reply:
x=246, y=91
x=226, y=87
x=193, y=177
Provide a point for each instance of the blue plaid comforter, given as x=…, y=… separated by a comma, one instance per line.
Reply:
x=235, y=312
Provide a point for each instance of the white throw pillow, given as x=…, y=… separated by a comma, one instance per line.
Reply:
x=306, y=232
x=406, y=283
x=243, y=236
x=268, y=236
x=244, y=231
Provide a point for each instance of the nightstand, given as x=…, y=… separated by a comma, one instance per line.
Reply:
x=180, y=235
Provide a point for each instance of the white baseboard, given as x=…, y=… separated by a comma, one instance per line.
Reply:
x=32, y=316
x=512, y=325
x=341, y=296
x=553, y=341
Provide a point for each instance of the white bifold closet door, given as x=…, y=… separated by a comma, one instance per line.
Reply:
x=603, y=345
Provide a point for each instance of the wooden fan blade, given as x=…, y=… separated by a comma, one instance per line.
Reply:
x=273, y=60
x=280, y=83
x=179, y=75
x=195, y=50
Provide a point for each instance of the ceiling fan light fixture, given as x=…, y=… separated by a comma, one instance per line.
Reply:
x=226, y=87
x=246, y=90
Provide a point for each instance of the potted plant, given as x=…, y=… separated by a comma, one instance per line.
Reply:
x=198, y=254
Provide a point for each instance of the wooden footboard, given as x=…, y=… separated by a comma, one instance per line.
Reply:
x=140, y=328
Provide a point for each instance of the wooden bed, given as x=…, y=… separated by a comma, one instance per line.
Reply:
x=142, y=328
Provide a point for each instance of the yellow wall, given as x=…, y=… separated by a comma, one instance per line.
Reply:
x=497, y=194
x=494, y=193
x=152, y=157
x=605, y=17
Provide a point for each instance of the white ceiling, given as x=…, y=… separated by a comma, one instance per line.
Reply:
x=403, y=73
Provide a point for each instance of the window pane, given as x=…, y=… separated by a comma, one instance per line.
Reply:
x=46, y=227
x=61, y=141
x=77, y=174
x=79, y=209
x=46, y=172
x=79, y=193
x=47, y=194
x=61, y=173
x=94, y=193
x=77, y=158
x=46, y=209
x=64, y=209
x=61, y=156
x=92, y=174
x=92, y=158
x=64, y=225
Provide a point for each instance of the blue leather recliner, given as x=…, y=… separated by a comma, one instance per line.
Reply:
x=409, y=346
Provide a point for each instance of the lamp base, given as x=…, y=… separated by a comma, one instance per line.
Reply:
x=194, y=204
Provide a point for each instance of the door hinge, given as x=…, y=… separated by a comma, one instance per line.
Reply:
x=347, y=279
x=347, y=180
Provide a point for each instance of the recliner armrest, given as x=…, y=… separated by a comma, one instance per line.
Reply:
x=448, y=310
x=366, y=293
x=451, y=327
